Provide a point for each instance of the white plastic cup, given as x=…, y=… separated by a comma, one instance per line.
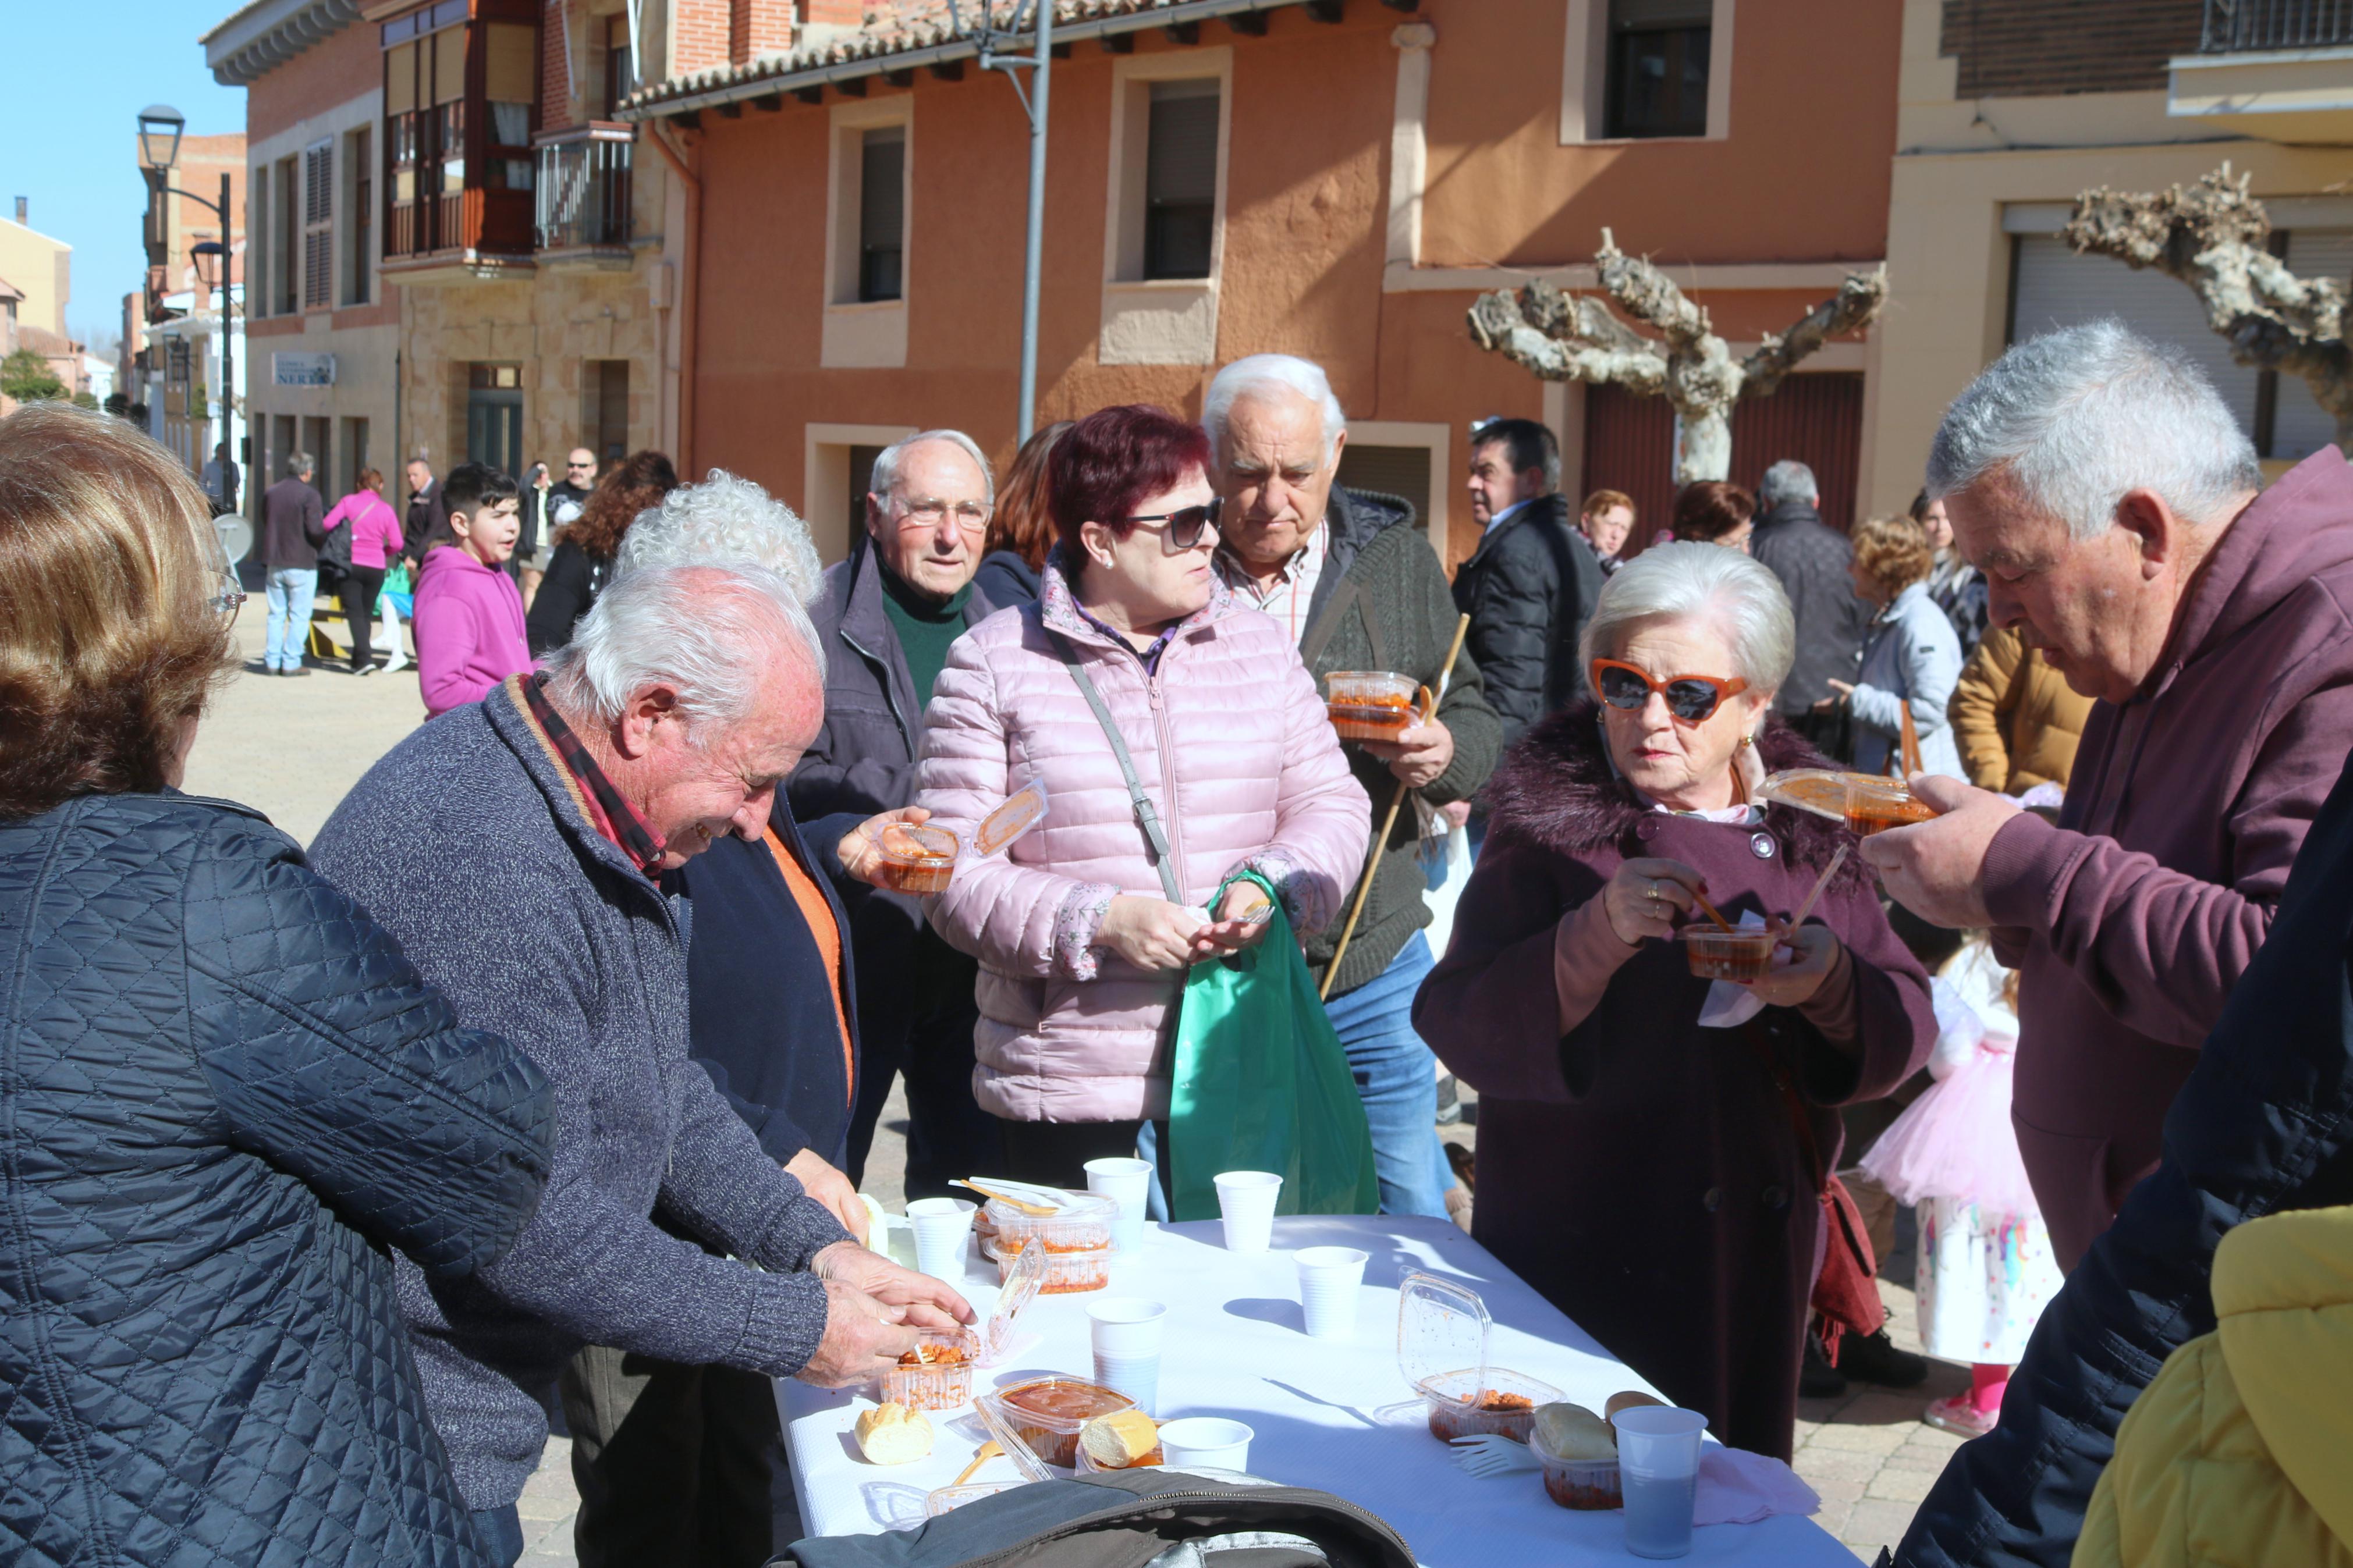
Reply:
x=942, y=1226
x=1206, y=1442
x=1328, y=1282
x=1246, y=1199
x=1127, y=1183
x=1658, y=1470
x=1126, y=1335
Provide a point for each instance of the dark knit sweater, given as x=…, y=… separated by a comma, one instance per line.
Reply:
x=538, y=927
x=1383, y=603
x=926, y=627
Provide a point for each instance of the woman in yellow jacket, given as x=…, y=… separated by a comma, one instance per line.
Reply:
x=2241, y=1454
x=2015, y=718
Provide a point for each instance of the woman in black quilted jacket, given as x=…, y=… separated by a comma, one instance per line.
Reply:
x=223, y=1090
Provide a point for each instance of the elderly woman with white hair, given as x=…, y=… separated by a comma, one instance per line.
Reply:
x=1655, y=1147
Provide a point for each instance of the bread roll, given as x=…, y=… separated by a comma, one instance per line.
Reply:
x=893, y=1435
x=1574, y=1433
x=1121, y=1438
x=1628, y=1401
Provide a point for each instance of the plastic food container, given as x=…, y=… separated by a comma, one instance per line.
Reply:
x=1064, y=1273
x=915, y=859
x=946, y=1383
x=1370, y=704
x=1821, y=791
x=1585, y=1485
x=947, y=1500
x=1743, y=954
x=1875, y=806
x=1046, y=1414
x=1024, y=809
x=1082, y=1222
x=1443, y=1332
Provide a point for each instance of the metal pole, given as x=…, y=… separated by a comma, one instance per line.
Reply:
x=229, y=385
x=1043, y=61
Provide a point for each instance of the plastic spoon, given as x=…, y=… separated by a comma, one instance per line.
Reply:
x=981, y=1456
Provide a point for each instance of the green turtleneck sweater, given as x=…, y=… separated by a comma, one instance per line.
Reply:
x=926, y=627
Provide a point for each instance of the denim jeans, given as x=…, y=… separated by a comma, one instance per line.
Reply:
x=501, y=1531
x=1397, y=1078
x=290, y=590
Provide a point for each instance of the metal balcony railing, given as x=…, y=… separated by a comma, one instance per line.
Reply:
x=2240, y=26
x=584, y=186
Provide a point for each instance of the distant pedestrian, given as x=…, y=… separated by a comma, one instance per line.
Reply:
x=374, y=537
x=1607, y=520
x=229, y=1096
x=1912, y=661
x=582, y=562
x=1957, y=587
x=294, y=527
x=426, y=523
x=1531, y=585
x=469, y=629
x=1810, y=558
x=1711, y=511
x=1021, y=529
x=221, y=479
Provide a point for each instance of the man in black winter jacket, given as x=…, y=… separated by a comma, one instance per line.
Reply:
x=2265, y=1124
x=1531, y=586
x=1810, y=557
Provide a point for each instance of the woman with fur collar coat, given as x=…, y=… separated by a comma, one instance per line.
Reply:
x=1652, y=1143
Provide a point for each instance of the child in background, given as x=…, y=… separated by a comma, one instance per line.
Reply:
x=469, y=620
x=1985, y=1267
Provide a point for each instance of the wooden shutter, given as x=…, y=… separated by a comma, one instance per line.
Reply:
x=319, y=224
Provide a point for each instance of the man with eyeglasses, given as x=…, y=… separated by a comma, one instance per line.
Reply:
x=1357, y=588
x=887, y=616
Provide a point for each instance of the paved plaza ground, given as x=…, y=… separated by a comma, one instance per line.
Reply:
x=292, y=748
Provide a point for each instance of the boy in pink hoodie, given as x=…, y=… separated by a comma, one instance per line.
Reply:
x=470, y=629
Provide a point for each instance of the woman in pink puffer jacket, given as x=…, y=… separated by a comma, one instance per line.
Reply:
x=1082, y=958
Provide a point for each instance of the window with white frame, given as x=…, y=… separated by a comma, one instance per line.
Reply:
x=881, y=213
x=1643, y=71
x=319, y=224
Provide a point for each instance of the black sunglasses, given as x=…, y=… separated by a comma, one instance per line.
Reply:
x=1185, y=525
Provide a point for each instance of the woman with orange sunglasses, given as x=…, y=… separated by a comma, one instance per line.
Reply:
x=1655, y=1147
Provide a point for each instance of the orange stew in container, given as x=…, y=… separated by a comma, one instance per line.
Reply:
x=1046, y=1413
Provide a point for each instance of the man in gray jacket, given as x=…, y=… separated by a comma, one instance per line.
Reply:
x=533, y=899
x=1810, y=557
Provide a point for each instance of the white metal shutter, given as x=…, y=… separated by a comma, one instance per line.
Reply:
x=1181, y=160
x=2299, y=429
x=2056, y=288
x=319, y=225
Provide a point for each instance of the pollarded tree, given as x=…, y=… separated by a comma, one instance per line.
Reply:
x=1560, y=336
x=2214, y=235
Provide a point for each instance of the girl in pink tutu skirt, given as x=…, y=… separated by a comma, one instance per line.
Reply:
x=1985, y=1264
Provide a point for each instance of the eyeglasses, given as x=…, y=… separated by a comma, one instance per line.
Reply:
x=227, y=596
x=1186, y=525
x=927, y=512
x=1691, y=698
x=579, y=464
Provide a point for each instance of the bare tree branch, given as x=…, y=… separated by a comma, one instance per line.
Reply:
x=2214, y=237
x=1858, y=301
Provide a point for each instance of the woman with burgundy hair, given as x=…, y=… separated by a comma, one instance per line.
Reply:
x=1711, y=511
x=582, y=562
x=1085, y=928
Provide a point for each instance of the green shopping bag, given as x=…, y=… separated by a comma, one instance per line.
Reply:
x=1261, y=1084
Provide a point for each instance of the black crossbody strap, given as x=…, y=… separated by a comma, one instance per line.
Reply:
x=1155, y=836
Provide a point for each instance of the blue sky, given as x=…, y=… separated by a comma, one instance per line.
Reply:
x=80, y=72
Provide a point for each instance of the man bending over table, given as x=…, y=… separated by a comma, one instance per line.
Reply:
x=548, y=811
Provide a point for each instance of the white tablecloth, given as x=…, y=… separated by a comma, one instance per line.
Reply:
x=1236, y=1346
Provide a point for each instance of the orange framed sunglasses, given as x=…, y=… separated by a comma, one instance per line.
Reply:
x=1691, y=698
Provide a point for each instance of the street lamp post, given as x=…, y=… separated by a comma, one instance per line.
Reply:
x=160, y=126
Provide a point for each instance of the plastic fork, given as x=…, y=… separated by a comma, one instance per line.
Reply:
x=1488, y=1455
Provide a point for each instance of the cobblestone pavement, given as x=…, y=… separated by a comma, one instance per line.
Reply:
x=292, y=748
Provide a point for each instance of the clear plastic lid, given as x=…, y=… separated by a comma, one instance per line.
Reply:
x=1443, y=1328
x=1821, y=791
x=1024, y=809
x=1021, y=1288
x=1025, y=1457
x=1081, y=1221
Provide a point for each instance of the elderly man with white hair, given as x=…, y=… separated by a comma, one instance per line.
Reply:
x=1356, y=587
x=886, y=619
x=517, y=848
x=2110, y=498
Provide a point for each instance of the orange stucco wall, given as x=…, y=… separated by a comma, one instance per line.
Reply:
x=335, y=70
x=1308, y=173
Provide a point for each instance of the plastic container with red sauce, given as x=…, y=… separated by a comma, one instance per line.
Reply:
x=1866, y=802
x=1585, y=1485
x=1082, y=1221
x=912, y=860
x=1064, y=1274
x=1741, y=954
x=1443, y=1333
x=947, y=1384
x=1370, y=704
x=1046, y=1414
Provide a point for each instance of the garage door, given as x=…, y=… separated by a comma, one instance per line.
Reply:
x=2299, y=429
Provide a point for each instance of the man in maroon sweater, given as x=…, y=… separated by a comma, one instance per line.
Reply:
x=2111, y=499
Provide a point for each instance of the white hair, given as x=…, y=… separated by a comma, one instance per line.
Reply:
x=2075, y=418
x=1271, y=373
x=1787, y=479
x=727, y=521
x=886, y=465
x=1690, y=580
x=712, y=633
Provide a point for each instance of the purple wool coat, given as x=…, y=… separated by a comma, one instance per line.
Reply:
x=1642, y=1172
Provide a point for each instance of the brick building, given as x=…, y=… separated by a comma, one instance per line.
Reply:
x=2010, y=108
x=1336, y=178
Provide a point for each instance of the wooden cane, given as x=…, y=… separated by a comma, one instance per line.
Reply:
x=1381, y=839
